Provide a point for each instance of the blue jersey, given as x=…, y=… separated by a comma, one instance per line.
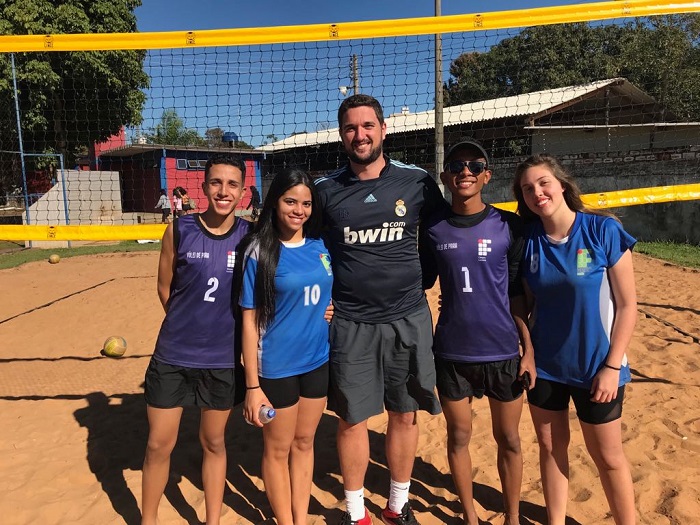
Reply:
x=574, y=309
x=477, y=260
x=296, y=341
x=198, y=329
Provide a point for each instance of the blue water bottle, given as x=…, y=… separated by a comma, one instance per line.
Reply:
x=266, y=414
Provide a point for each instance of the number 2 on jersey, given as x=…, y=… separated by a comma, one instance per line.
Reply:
x=213, y=285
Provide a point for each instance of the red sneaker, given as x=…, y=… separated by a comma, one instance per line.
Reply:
x=345, y=520
x=406, y=516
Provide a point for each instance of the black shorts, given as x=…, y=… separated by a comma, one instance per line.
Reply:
x=169, y=386
x=550, y=395
x=286, y=391
x=382, y=366
x=497, y=380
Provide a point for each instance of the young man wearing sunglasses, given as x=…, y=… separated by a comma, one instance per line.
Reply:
x=476, y=250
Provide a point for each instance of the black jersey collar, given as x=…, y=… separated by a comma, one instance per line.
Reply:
x=387, y=164
x=467, y=221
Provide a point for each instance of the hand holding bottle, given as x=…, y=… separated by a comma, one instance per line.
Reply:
x=257, y=409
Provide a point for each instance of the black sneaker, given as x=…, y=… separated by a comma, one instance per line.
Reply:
x=405, y=518
x=345, y=520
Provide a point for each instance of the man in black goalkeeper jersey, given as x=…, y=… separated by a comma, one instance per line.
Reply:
x=381, y=334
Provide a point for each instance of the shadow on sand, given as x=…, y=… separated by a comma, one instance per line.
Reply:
x=117, y=434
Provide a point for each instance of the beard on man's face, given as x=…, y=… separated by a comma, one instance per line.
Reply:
x=374, y=153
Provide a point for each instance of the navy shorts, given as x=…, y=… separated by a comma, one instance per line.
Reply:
x=286, y=391
x=497, y=380
x=169, y=386
x=551, y=395
x=382, y=365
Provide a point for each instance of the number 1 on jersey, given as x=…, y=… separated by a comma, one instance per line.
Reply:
x=467, y=286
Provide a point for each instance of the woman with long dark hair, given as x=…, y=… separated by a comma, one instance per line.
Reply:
x=578, y=269
x=287, y=281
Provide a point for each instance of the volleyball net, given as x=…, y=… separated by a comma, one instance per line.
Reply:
x=93, y=127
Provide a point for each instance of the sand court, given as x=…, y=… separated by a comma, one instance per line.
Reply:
x=73, y=425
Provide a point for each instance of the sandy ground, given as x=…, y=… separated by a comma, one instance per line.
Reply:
x=73, y=426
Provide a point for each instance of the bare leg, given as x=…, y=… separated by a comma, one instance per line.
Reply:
x=163, y=426
x=278, y=435
x=301, y=458
x=401, y=444
x=212, y=429
x=604, y=443
x=353, y=453
x=552, y=428
x=505, y=417
x=458, y=415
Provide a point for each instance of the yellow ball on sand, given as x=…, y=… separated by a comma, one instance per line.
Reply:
x=114, y=346
x=54, y=258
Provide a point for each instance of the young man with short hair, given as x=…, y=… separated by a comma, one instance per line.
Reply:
x=477, y=250
x=381, y=333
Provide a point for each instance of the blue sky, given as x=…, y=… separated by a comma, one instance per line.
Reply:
x=257, y=91
x=175, y=15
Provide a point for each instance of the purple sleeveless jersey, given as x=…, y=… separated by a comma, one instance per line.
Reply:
x=475, y=324
x=198, y=330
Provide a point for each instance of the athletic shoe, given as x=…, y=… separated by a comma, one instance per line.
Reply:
x=405, y=518
x=364, y=521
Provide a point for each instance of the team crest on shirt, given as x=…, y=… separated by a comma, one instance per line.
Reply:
x=483, y=248
x=230, y=261
x=583, y=261
x=326, y=262
x=400, y=209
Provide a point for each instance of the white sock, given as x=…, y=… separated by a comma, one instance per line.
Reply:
x=398, y=496
x=355, y=503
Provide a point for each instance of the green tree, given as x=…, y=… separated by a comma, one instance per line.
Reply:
x=69, y=100
x=214, y=137
x=661, y=55
x=171, y=130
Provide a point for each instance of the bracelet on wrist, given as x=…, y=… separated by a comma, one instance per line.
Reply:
x=606, y=365
x=252, y=387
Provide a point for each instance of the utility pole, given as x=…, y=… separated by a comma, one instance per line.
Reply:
x=439, y=135
x=355, y=75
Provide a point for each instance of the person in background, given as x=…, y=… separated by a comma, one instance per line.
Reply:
x=177, y=202
x=188, y=204
x=254, y=204
x=163, y=205
x=287, y=281
x=477, y=250
x=381, y=333
x=193, y=361
x=578, y=269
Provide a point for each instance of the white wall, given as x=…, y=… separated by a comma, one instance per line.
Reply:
x=92, y=198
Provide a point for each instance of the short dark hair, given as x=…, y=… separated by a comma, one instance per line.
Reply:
x=356, y=101
x=224, y=158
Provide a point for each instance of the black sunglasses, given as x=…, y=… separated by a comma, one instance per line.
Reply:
x=475, y=167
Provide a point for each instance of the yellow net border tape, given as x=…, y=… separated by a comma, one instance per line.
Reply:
x=610, y=199
x=345, y=30
x=635, y=197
